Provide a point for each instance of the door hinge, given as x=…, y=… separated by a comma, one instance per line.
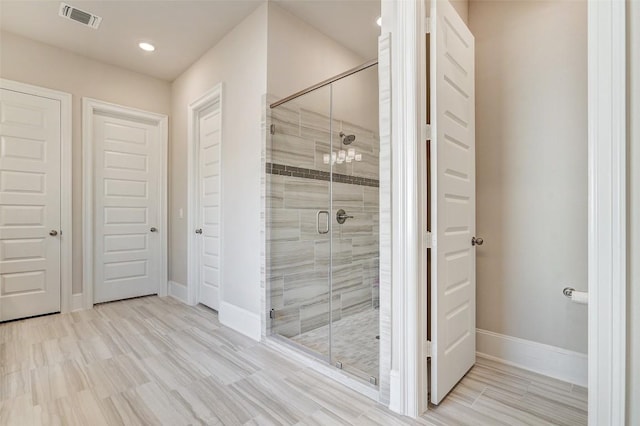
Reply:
x=428, y=239
x=426, y=132
x=272, y=129
x=427, y=25
x=272, y=314
x=427, y=348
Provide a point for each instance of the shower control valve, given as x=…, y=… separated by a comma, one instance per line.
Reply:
x=342, y=216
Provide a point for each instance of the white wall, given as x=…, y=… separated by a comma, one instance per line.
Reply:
x=239, y=61
x=300, y=56
x=531, y=121
x=32, y=62
x=633, y=310
x=462, y=7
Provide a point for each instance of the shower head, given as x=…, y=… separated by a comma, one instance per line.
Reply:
x=347, y=139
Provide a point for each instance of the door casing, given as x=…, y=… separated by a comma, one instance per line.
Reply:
x=67, y=302
x=89, y=108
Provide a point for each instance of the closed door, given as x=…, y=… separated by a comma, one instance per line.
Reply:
x=127, y=185
x=29, y=205
x=453, y=264
x=209, y=206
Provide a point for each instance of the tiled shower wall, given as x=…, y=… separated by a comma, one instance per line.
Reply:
x=297, y=187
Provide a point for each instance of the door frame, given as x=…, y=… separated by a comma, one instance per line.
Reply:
x=606, y=218
x=89, y=108
x=66, y=190
x=193, y=109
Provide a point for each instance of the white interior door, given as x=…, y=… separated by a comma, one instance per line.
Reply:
x=453, y=306
x=127, y=194
x=30, y=145
x=208, y=199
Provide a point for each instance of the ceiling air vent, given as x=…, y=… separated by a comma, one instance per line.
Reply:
x=75, y=14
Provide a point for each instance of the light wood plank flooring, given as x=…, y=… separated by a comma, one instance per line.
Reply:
x=156, y=361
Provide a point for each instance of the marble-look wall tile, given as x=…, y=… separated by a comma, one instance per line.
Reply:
x=299, y=283
x=368, y=167
x=356, y=300
x=316, y=313
x=302, y=287
x=274, y=192
x=283, y=225
x=365, y=248
x=361, y=225
x=347, y=277
x=293, y=151
x=291, y=257
x=309, y=225
x=286, y=120
x=340, y=251
x=347, y=197
x=275, y=284
x=306, y=194
x=371, y=199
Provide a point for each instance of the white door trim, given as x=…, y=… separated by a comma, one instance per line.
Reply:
x=89, y=108
x=607, y=208
x=66, y=225
x=194, y=108
x=607, y=211
x=403, y=20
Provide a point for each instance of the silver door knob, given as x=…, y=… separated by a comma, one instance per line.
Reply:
x=477, y=241
x=199, y=231
x=153, y=229
x=53, y=232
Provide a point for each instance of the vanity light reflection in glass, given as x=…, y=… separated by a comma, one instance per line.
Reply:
x=342, y=156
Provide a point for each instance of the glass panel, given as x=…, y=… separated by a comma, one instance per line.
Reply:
x=297, y=210
x=355, y=215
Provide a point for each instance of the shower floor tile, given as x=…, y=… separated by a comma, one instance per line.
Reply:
x=354, y=342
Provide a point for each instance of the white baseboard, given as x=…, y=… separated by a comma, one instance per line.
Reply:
x=178, y=291
x=240, y=320
x=561, y=364
x=77, y=302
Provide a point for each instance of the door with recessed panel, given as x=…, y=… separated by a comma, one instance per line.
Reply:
x=453, y=261
x=30, y=204
x=127, y=185
x=208, y=214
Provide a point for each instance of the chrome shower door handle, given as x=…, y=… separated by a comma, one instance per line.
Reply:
x=326, y=230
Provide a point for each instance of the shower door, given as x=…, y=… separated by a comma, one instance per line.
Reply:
x=322, y=223
x=298, y=225
x=355, y=218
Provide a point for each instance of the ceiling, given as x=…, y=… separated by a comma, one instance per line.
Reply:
x=181, y=30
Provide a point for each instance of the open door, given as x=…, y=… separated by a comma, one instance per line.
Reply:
x=453, y=265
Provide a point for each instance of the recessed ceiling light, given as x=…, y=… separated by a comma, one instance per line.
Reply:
x=379, y=21
x=148, y=47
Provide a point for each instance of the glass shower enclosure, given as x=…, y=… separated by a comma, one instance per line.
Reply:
x=322, y=215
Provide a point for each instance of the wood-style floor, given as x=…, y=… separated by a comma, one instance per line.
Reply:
x=156, y=361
